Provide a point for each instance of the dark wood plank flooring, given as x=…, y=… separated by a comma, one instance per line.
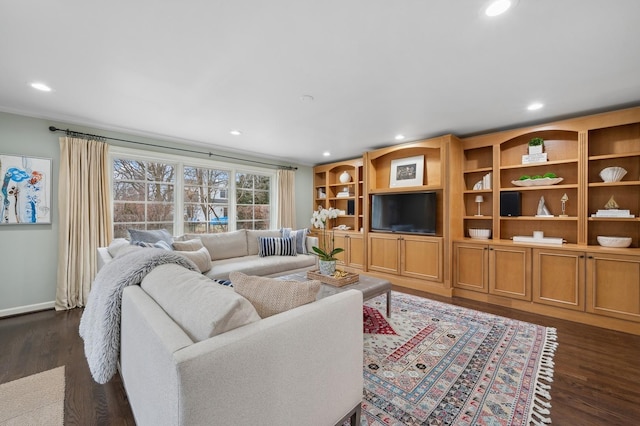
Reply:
x=596, y=379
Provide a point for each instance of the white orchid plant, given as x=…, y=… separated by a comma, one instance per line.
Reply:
x=319, y=221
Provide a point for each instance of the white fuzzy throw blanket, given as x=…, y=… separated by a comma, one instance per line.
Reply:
x=100, y=322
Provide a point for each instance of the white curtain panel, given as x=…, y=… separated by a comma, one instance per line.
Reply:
x=84, y=207
x=286, y=199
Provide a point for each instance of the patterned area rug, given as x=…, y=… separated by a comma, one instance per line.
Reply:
x=448, y=365
x=374, y=322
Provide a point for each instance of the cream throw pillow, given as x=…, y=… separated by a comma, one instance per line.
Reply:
x=194, y=244
x=200, y=257
x=271, y=296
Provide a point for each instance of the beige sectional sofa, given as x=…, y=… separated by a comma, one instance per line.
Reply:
x=185, y=360
x=233, y=251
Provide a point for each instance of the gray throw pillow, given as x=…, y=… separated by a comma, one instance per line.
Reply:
x=150, y=236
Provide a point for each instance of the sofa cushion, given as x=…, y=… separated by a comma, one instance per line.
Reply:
x=276, y=246
x=271, y=296
x=199, y=306
x=150, y=236
x=224, y=245
x=201, y=258
x=252, y=238
x=256, y=265
x=193, y=244
x=117, y=245
x=300, y=237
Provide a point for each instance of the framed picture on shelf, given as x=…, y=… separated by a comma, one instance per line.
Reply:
x=25, y=195
x=407, y=171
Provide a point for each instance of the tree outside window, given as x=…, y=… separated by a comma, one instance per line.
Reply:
x=143, y=195
x=206, y=203
x=253, y=193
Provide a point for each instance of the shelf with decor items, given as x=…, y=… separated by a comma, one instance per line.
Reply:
x=406, y=256
x=338, y=185
x=578, y=280
x=541, y=186
x=614, y=148
x=478, y=180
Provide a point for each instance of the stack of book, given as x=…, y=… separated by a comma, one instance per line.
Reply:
x=613, y=213
x=343, y=194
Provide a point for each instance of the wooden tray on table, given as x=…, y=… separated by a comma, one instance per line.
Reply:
x=350, y=278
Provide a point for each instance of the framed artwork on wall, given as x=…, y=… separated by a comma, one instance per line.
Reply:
x=407, y=171
x=25, y=194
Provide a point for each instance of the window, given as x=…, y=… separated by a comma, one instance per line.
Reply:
x=206, y=206
x=253, y=201
x=187, y=195
x=143, y=195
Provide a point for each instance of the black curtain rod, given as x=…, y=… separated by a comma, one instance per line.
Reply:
x=210, y=154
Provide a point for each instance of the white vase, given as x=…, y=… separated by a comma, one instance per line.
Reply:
x=535, y=149
x=327, y=267
x=345, y=177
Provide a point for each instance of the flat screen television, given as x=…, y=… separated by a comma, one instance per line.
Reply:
x=411, y=212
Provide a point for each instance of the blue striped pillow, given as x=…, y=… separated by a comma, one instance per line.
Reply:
x=274, y=246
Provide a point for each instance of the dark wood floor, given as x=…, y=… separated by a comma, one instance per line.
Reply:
x=596, y=379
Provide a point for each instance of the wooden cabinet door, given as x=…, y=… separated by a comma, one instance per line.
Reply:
x=510, y=271
x=613, y=285
x=355, y=254
x=421, y=257
x=471, y=266
x=383, y=253
x=558, y=278
x=342, y=241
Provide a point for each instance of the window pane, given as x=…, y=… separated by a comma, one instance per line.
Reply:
x=160, y=172
x=261, y=197
x=158, y=192
x=128, y=191
x=128, y=170
x=261, y=212
x=244, y=212
x=206, y=199
x=159, y=212
x=129, y=212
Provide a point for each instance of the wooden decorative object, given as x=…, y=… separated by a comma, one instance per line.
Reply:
x=350, y=278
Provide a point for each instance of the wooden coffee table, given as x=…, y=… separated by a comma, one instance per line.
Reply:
x=369, y=286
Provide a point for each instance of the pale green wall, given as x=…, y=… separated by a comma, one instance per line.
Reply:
x=28, y=263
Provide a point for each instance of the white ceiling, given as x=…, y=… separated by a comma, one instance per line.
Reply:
x=194, y=70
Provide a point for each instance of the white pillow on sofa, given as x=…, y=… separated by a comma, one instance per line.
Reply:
x=201, y=307
x=200, y=257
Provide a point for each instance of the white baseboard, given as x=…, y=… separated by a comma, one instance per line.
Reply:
x=25, y=309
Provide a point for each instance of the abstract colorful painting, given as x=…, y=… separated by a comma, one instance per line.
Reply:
x=25, y=197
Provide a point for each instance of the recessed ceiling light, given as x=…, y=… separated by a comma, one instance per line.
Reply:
x=535, y=106
x=498, y=7
x=41, y=86
x=326, y=153
x=236, y=132
x=306, y=98
x=399, y=137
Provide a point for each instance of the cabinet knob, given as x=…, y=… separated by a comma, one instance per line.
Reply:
x=581, y=256
x=589, y=257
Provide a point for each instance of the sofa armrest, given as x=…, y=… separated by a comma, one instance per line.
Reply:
x=103, y=257
x=303, y=366
x=311, y=241
x=148, y=339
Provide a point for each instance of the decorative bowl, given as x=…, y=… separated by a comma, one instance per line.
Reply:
x=479, y=234
x=537, y=182
x=614, y=241
x=612, y=174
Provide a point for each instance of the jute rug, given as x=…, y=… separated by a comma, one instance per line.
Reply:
x=34, y=400
x=438, y=364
